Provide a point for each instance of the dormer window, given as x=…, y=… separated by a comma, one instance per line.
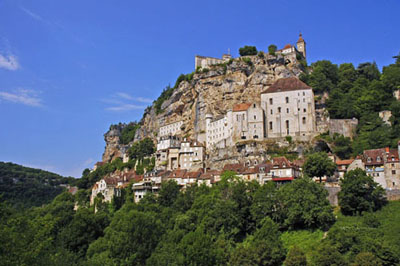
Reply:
x=369, y=159
x=283, y=165
x=378, y=159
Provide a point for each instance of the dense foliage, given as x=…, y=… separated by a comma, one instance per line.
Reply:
x=234, y=222
x=128, y=133
x=247, y=50
x=141, y=149
x=27, y=187
x=359, y=193
x=272, y=49
x=361, y=93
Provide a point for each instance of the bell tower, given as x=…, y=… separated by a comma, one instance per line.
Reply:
x=301, y=45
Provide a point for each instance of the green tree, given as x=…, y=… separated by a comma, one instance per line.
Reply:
x=248, y=50
x=360, y=193
x=328, y=255
x=303, y=204
x=169, y=192
x=366, y=259
x=318, y=165
x=264, y=248
x=342, y=146
x=272, y=49
x=295, y=257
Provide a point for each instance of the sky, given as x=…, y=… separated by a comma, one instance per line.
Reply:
x=69, y=69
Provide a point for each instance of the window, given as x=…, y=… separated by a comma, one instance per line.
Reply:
x=393, y=172
x=254, y=105
x=272, y=112
x=378, y=159
x=279, y=109
x=304, y=120
x=270, y=101
x=255, y=117
x=287, y=99
x=270, y=125
x=304, y=100
x=304, y=94
x=287, y=110
x=287, y=127
x=304, y=110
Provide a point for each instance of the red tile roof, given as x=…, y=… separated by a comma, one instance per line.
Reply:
x=287, y=46
x=241, y=107
x=287, y=84
x=370, y=157
x=236, y=167
x=281, y=162
x=344, y=162
x=178, y=173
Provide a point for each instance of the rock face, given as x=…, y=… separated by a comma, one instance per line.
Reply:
x=113, y=148
x=216, y=89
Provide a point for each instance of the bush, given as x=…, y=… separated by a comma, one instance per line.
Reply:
x=261, y=54
x=248, y=50
x=272, y=49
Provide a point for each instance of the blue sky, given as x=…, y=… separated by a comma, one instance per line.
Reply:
x=69, y=69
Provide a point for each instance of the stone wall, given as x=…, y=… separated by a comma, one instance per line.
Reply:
x=345, y=127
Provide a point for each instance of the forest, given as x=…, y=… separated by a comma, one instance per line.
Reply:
x=232, y=223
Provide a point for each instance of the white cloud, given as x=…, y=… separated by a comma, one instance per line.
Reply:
x=32, y=14
x=9, y=62
x=137, y=99
x=22, y=96
x=123, y=102
x=125, y=107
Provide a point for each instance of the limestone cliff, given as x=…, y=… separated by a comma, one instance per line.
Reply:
x=215, y=89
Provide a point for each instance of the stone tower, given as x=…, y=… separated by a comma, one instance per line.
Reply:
x=301, y=45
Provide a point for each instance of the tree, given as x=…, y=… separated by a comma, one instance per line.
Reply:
x=360, y=193
x=366, y=259
x=168, y=193
x=248, y=50
x=318, y=165
x=303, y=204
x=272, y=49
x=295, y=257
x=264, y=248
x=342, y=146
x=328, y=255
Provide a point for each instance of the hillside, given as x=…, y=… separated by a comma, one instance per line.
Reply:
x=27, y=187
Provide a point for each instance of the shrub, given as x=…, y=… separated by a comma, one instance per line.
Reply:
x=261, y=54
x=248, y=50
x=272, y=49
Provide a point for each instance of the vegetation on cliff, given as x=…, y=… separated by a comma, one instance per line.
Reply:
x=362, y=93
x=27, y=187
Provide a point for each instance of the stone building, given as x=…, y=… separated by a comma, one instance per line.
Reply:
x=289, y=109
x=171, y=129
x=219, y=130
x=164, y=146
x=206, y=61
x=247, y=122
x=191, y=155
x=108, y=187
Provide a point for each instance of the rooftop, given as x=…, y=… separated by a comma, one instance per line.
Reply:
x=241, y=107
x=287, y=84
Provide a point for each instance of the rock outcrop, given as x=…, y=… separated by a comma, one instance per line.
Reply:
x=216, y=89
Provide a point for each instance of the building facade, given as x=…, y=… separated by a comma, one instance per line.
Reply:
x=171, y=129
x=289, y=109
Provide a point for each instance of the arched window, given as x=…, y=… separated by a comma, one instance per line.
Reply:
x=304, y=120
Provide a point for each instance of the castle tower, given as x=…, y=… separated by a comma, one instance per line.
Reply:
x=301, y=45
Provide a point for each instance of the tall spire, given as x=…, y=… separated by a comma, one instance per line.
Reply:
x=300, y=38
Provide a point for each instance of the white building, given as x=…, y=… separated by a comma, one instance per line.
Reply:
x=248, y=122
x=219, y=130
x=171, y=129
x=289, y=109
